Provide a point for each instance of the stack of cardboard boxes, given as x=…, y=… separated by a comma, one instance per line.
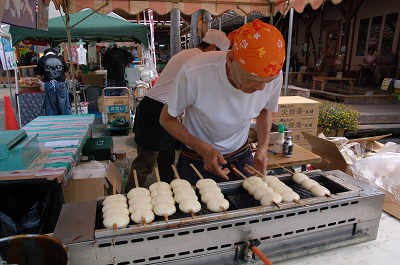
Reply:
x=298, y=114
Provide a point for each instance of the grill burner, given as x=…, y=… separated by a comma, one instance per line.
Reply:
x=351, y=215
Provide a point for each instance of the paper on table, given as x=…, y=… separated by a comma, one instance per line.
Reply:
x=63, y=143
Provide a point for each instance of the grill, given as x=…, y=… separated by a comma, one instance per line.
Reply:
x=351, y=215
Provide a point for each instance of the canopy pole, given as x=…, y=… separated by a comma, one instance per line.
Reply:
x=289, y=48
x=71, y=64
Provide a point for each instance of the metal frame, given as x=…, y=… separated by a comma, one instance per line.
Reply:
x=318, y=224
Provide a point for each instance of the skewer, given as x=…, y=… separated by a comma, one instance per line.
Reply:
x=237, y=171
x=166, y=217
x=115, y=227
x=143, y=221
x=193, y=215
x=284, y=168
x=175, y=171
x=156, y=172
x=277, y=205
x=135, y=178
x=197, y=171
x=255, y=170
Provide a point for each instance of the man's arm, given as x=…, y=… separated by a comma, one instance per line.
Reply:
x=263, y=127
x=212, y=158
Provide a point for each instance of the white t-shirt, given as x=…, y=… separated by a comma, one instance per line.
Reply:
x=81, y=55
x=215, y=111
x=160, y=90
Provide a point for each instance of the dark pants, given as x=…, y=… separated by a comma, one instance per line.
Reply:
x=239, y=159
x=153, y=143
x=56, y=99
x=144, y=165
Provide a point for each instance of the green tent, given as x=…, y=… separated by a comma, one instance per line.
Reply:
x=96, y=27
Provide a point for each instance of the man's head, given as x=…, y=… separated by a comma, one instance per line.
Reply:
x=257, y=56
x=214, y=40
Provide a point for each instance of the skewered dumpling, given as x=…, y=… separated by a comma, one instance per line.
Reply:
x=299, y=177
x=138, y=192
x=190, y=206
x=120, y=220
x=142, y=216
x=114, y=198
x=159, y=186
x=218, y=205
x=163, y=209
x=180, y=183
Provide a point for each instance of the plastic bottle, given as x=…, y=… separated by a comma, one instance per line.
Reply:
x=278, y=145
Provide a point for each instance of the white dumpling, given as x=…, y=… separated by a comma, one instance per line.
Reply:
x=290, y=196
x=299, y=177
x=179, y=197
x=269, y=179
x=207, y=197
x=185, y=191
x=270, y=197
x=144, y=206
x=142, y=216
x=204, y=182
x=254, y=179
x=159, y=186
x=115, y=211
x=120, y=220
x=114, y=205
x=280, y=187
x=162, y=199
x=320, y=191
x=137, y=200
x=218, y=205
x=161, y=192
x=138, y=192
x=309, y=183
x=163, y=209
x=211, y=189
x=179, y=183
x=112, y=198
x=259, y=193
x=190, y=206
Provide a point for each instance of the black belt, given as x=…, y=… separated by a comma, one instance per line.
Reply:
x=231, y=157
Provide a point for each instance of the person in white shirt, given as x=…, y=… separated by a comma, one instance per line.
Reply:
x=219, y=94
x=153, y=142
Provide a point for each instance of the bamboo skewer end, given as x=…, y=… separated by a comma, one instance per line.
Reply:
x=197, y=171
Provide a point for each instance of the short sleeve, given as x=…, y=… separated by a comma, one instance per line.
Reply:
x=180, y=95
x=272, y=103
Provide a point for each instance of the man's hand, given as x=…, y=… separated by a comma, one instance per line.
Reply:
x=261, y=160
x=213, y=161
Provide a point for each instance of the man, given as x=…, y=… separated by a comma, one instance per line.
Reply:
x=52, y=68
x=219, y=93
x=153, y=142
x=115, y=60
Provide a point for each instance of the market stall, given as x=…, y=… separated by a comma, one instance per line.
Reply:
x=88, y=26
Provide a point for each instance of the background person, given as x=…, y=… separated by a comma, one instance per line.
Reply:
x=153, y=142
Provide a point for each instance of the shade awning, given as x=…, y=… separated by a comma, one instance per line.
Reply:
x=95, y=27
x=215, y=7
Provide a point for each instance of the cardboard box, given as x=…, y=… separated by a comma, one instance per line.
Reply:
x=298, y=136
x=298, y=123
x=93, y=79
x=290, y=106
x=87, y=189
x=331, y=158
